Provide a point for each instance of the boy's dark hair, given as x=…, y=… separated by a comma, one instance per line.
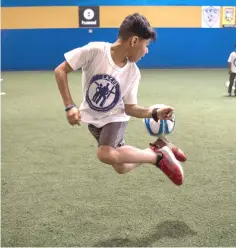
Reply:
x=136, y=25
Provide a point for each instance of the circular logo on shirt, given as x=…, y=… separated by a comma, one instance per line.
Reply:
x=88, y=14
x=234, y=62
x=103, y=92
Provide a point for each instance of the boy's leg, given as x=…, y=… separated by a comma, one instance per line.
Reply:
x=95, y=131
x=231, y=82
x=111, y=136
x=234, y=84
x=126, y=158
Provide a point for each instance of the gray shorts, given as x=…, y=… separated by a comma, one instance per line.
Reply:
x=109, y=135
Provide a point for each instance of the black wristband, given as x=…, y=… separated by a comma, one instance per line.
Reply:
x=154, y=114
x=70, y=107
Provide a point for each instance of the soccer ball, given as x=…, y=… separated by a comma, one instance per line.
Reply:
x=162, y=127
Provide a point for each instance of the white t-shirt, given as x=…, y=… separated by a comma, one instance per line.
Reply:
x=232, y=60
x=106, y=87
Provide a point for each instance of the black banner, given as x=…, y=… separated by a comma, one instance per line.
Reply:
x=89, y=17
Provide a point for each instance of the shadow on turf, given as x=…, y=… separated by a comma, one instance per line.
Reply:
x=228, y=96
x=169, y=229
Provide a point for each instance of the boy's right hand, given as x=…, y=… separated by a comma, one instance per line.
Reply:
x=73, y=116
x=165, y=113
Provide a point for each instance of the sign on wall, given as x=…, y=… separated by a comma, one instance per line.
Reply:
x=210, y=16
x=228, y=19
x=89, y=17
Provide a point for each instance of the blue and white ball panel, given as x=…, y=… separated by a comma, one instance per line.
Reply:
x=153, y=128
x=159, y=128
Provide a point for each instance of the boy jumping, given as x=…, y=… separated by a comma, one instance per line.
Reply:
x=110, y=80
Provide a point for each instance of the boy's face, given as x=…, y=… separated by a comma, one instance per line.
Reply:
x=137, y=48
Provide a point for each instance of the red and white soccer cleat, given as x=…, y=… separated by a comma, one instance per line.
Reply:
x=179, y=154
x=163, y=141
x=167, y=163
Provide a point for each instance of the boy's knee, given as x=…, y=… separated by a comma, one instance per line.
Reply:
x=119, y=169
x=106, y=155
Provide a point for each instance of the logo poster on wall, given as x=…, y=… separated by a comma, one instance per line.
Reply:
x=89, y=17
x=228, y=19
x=210, y=16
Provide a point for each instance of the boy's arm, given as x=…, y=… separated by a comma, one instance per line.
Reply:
x=132, y=108
x=62, y=82
x=140, y=112
x=229, y=63
x=72, y=113
x=74, y=59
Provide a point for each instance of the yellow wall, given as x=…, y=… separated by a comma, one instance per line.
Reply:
x=159, y=16
x=39, y=17
x=67, y=17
